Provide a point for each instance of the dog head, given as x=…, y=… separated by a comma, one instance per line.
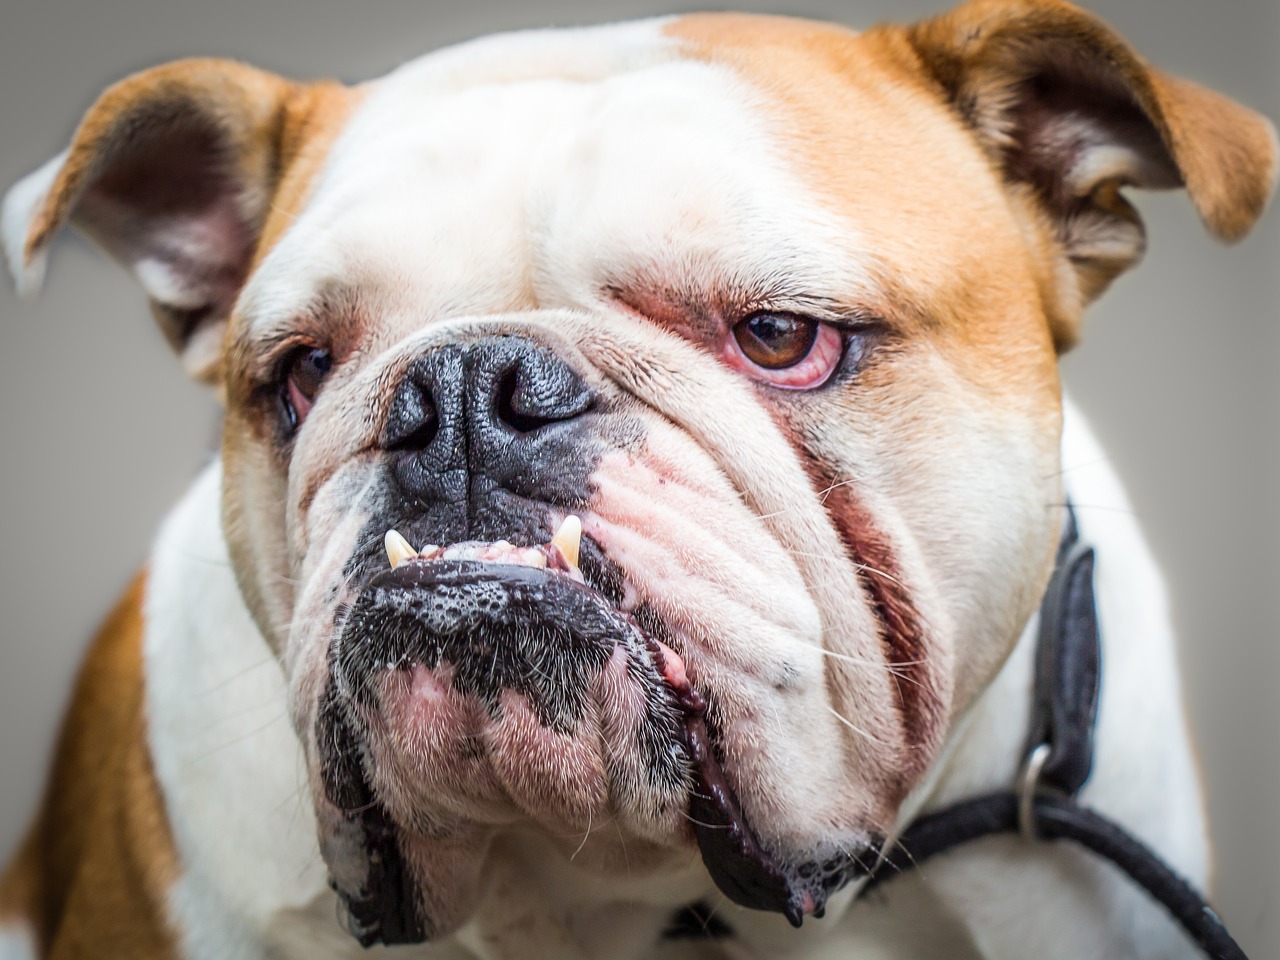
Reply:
x=770, y=309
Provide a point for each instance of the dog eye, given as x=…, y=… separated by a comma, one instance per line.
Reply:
x=304, y=373
x=776, y=340
x=785, y=349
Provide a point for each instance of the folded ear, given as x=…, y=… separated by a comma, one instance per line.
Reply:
x=171, y=172
x=1069, y=112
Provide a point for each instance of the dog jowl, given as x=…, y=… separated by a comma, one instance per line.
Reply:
x=638, y=439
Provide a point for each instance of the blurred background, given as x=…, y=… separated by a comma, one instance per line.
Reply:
x=101, y=433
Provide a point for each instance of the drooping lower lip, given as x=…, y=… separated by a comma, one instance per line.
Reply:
x=553, y=594
x=740, y=867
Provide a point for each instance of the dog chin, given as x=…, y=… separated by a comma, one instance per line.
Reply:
x=484, y=687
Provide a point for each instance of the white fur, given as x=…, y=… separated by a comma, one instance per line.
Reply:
x=21, y=205
x=226, y=757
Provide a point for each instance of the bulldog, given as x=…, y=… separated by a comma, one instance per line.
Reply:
x=643, y=459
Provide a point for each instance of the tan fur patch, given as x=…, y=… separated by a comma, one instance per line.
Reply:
x=311, y=120
x=94, y=873
x=838, y=100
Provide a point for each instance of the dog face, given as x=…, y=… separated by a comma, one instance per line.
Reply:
x=771, y=308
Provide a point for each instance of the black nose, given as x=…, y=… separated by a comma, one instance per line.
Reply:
x=493, y=413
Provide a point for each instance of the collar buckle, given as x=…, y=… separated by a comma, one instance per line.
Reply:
x=1028, y=788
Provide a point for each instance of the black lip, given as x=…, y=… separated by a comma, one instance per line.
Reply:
x=742, y=869
x=384, y=907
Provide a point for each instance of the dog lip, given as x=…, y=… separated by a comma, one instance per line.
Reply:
x=740, y=867
x=377, y=895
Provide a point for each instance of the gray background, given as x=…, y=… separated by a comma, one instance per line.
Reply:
x=101, y=433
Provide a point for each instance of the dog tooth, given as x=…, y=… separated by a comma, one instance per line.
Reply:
x=567, y=538
x=398, y=549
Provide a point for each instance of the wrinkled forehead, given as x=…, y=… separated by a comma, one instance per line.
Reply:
x=550, y=168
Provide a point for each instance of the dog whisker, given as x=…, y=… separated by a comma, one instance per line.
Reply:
x=239, y=675
x=1127, y=511
x=844, y=561
x=893, y=668
x=856, y=729
x=622, y=842
x=248, y=735
x=585, y=837
x=821, y=496
x=698, y=823
x=1077, y=466
x=827, y=491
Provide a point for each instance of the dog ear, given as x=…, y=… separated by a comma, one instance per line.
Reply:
x=171, y=172
x=1070, y=113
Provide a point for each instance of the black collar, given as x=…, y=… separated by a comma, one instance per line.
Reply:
x=1057, y=762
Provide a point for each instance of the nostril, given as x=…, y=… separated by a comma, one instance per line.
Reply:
x=524, y=409
x=419, y=439
x=412, y=422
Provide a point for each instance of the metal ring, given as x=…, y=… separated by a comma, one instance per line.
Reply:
x=1028, y=787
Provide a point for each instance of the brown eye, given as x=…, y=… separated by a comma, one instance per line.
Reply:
x=303, y=377
x=785, y=350
x=776, y=341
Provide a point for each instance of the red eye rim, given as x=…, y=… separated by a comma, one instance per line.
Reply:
x=811, y=371
x=304, y=374
x=299, y=405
